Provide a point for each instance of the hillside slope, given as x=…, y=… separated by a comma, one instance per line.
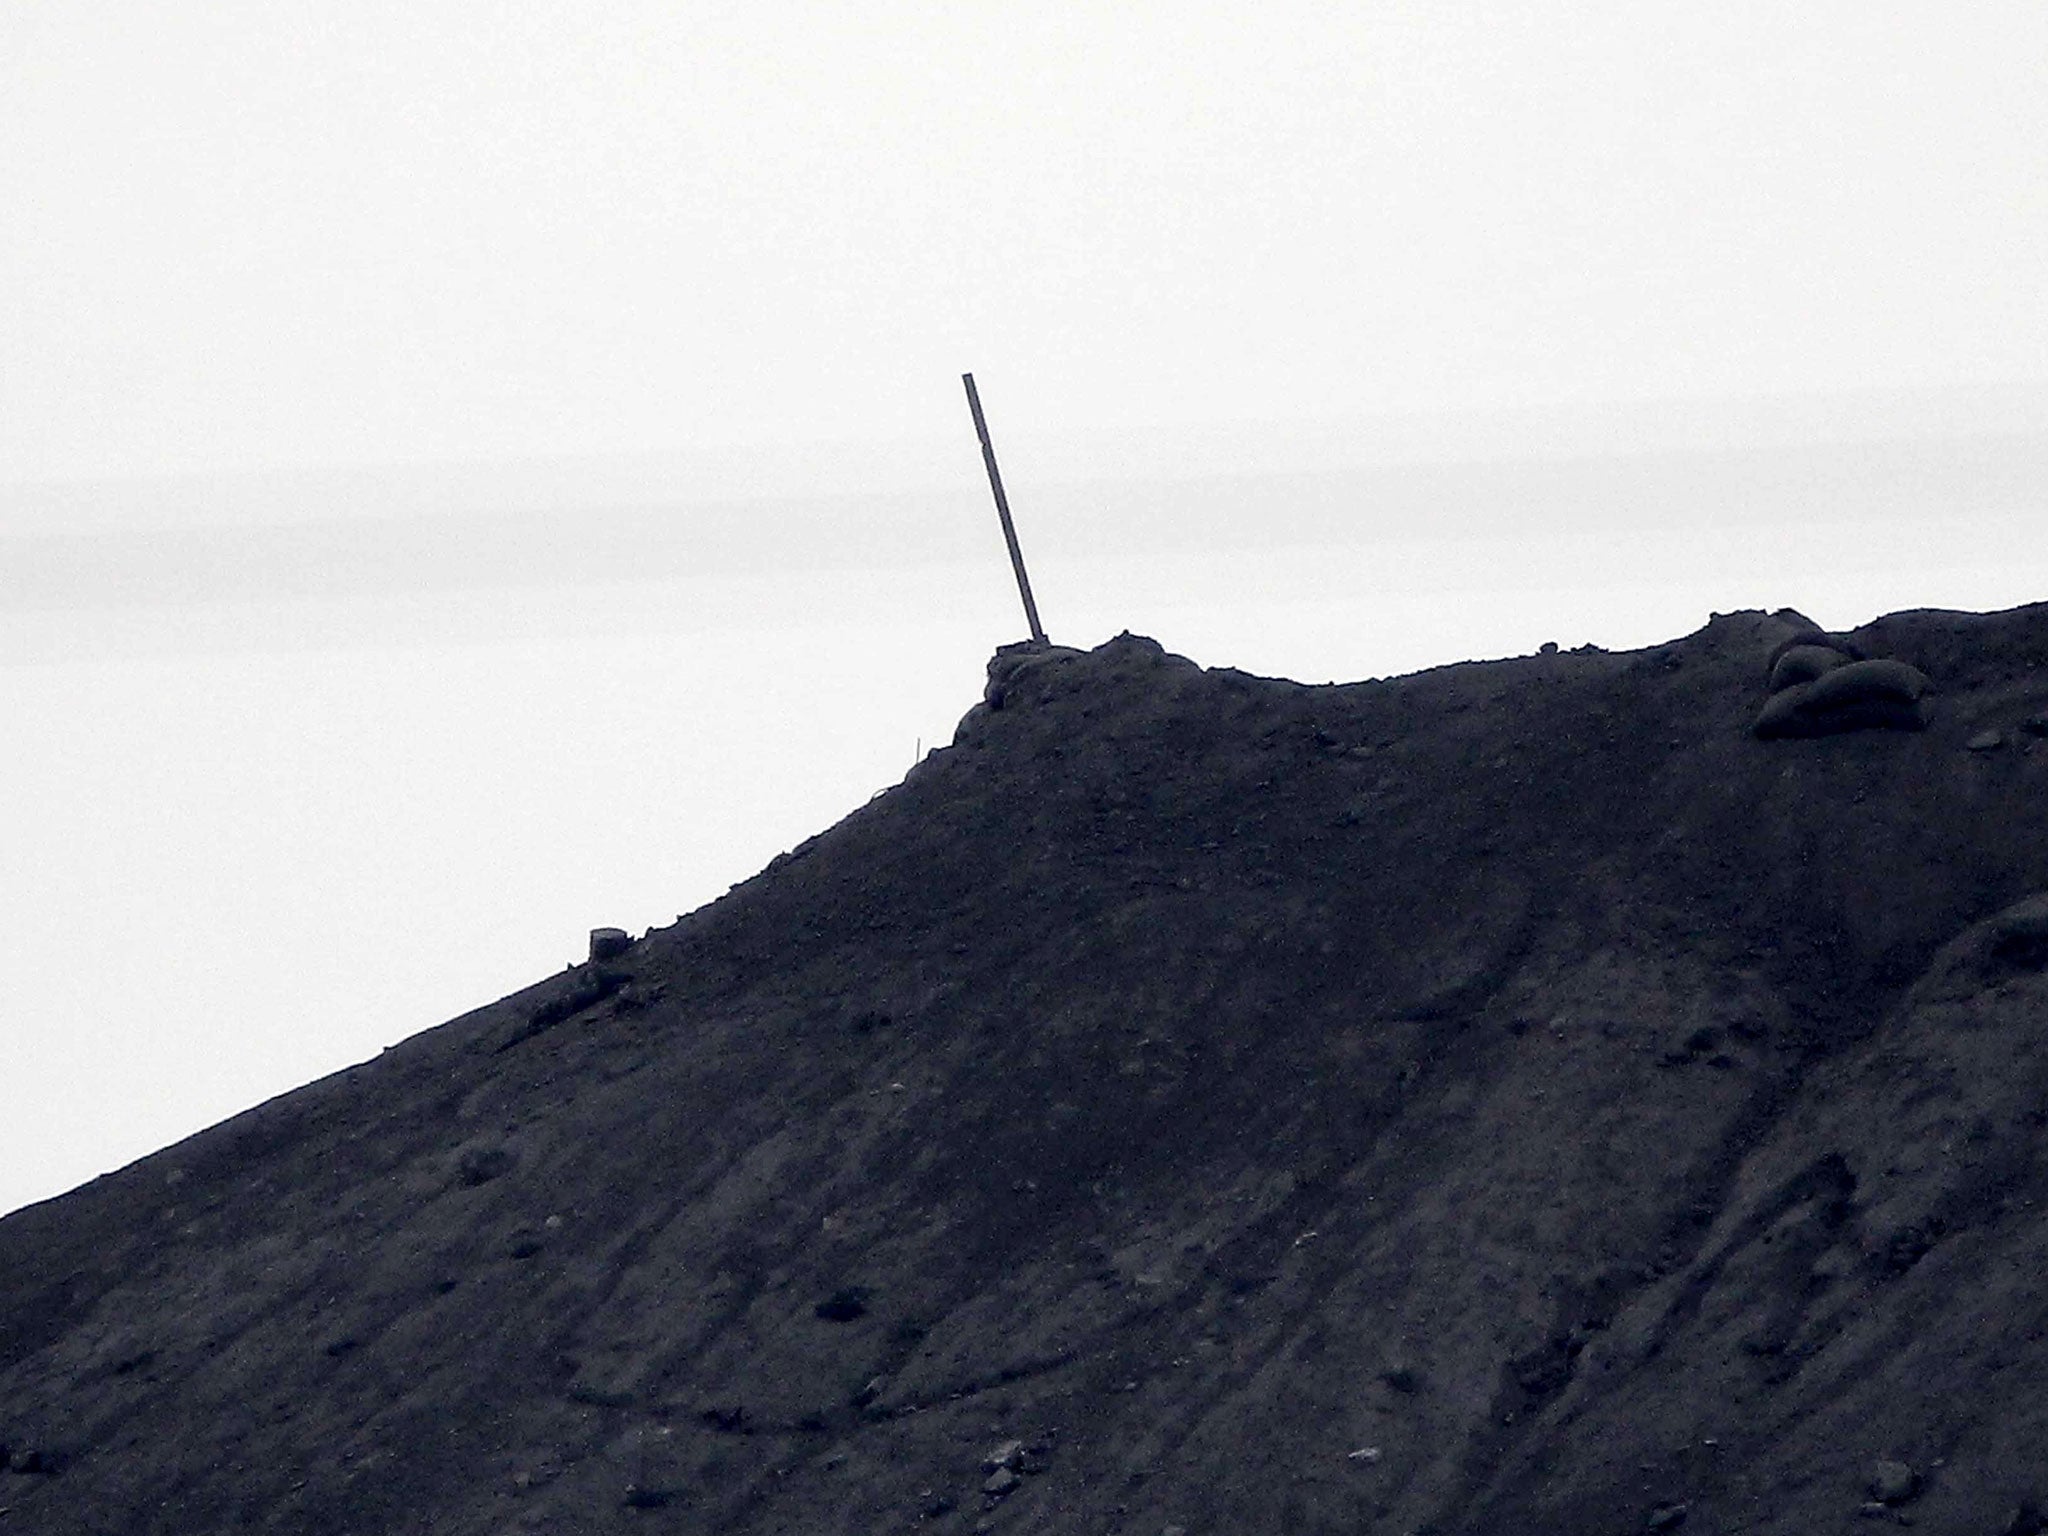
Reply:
x=1511, y=1097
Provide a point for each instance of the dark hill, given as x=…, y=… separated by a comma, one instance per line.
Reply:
x=1512, y=1098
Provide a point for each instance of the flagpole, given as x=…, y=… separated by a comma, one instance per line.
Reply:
x=995, y=482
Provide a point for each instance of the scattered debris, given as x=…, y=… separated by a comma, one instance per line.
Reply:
x=1893, y=1482
x=1001, y=1483
x=1008, y=1454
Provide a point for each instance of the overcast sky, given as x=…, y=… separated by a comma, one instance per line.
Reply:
x=469, y=473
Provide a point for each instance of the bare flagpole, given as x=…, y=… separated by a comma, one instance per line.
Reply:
x=995, y=483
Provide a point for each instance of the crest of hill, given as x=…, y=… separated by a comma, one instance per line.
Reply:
x=1511, y=1096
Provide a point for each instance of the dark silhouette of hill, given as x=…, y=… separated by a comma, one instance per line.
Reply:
x=1514, y=1097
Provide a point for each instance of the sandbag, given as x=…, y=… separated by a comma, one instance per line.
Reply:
x=1858, y=696
x=1862, y=681
x=1804, y=663
x=1820, y=637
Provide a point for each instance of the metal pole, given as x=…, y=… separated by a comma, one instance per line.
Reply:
x=995, y=482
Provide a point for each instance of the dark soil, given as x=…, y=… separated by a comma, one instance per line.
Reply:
x=1511, y=1098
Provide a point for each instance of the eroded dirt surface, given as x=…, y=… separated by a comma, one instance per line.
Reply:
x=1507, y=1098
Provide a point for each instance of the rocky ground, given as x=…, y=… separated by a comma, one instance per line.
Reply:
x=1514, y=1097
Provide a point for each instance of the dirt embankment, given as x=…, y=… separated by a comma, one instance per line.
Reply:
x=1516, y=1096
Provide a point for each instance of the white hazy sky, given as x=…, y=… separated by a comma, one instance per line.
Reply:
x=469, y=473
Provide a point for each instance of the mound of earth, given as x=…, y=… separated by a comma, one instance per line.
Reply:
x=1515, y=1097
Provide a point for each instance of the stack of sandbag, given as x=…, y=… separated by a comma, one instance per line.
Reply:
x=1822, y=684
